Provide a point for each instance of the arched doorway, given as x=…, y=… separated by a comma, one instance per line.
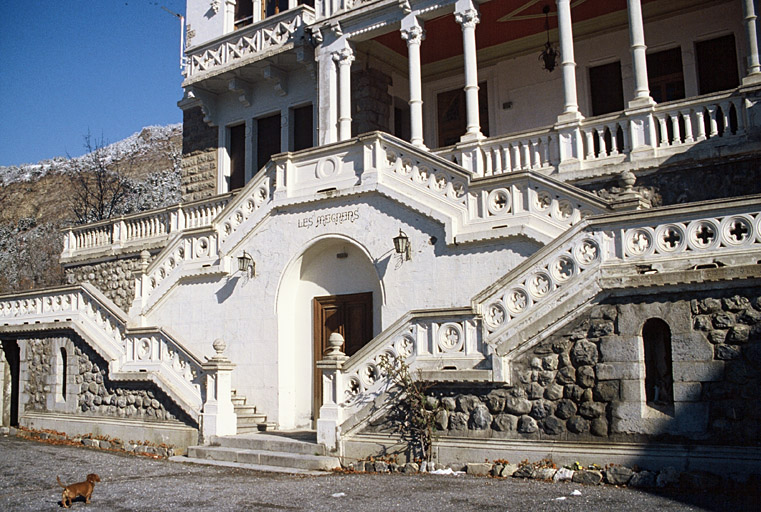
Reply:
x=10, y=379
x=332, y=286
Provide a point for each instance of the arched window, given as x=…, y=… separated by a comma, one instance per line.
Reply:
x=659, y=380
x=61, y=375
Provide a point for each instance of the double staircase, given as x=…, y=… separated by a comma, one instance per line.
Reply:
x=279, y=452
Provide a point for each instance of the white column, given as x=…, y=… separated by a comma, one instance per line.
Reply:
x=753, y=73
x=327, y=113
x=567, y=60
x=466, y=14
x=639, y=58
x=412, y=32
x=344, y=58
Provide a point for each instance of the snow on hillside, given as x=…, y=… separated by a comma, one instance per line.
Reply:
x=136, y=144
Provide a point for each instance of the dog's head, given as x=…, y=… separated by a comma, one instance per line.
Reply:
x=92, y=477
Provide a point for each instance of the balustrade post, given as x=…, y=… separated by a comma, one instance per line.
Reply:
x=331, y=414
x=218, y=417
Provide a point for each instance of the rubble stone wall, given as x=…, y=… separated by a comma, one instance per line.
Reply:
x=586, y=381
x=89, y=392
x=114, y=278
x=199, y=157
x=371, y=101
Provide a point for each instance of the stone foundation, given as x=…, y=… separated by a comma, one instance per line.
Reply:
x=114, y=278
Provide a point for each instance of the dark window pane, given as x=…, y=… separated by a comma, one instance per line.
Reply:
x=606, y=88
x=717, y=64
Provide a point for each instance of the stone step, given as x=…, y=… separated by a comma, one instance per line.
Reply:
x=301, y=442
x=253, y=467
x=250, y=417
x=265, y=457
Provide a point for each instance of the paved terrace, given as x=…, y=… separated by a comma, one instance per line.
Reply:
x=29, y=470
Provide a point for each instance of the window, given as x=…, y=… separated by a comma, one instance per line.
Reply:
x=267, y=139
x=61, y=377
x=303, y=129
x=659, y=381
x=664, y=75
x=402, y=120
x=717, y=64
x=606, y=88
x=237, y=152
x=244, y=13
x=452, y=115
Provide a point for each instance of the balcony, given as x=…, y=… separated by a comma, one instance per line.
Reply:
x=261, y=41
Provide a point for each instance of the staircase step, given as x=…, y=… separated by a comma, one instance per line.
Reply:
x=253, y=467
x=251, y=419
x=245, y=410
x=277, y=443
x=266, y=457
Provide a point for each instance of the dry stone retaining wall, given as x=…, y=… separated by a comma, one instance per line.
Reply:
x=585, y=382
x=199, y=157
x=94, y=393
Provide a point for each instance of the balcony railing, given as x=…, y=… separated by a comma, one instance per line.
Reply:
x=140, y=230
x=663, y=132
x=243, y=46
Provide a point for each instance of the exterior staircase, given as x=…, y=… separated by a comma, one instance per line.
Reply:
x=248, y=419
x=281, y=452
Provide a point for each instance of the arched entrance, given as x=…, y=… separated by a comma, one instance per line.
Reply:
x=9, y=391
x=332, y=286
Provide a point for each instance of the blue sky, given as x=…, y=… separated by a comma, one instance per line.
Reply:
x=109, y=67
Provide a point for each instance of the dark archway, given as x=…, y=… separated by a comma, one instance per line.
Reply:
x=659, y=380
x=12, y=356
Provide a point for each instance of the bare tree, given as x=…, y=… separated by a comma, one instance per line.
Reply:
x=100, y=182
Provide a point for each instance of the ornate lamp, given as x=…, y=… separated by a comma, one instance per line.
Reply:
x=402, y=245
x=246, y=264
x=549, y=55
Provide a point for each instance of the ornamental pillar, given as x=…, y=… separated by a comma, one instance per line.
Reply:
x=343, y=58
x=412, y=32
x=753, y=72
x=639, y=58
x=218, y=417
x=466, y=14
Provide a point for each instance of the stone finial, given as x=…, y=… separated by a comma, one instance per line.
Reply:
x=145, y=256
x=627, y=179
x=220, y=346
x=335, y=341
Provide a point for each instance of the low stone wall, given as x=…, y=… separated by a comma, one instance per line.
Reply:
x=89, y=391
x=586, y=382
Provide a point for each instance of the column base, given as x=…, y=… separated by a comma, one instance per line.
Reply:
x=754, y=79
x=569, y=118
x=641, y=103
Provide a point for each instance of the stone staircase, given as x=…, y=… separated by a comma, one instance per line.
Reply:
x=281, y=452
x=248, y=419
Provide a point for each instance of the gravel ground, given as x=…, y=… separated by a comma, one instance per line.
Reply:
x=28, y=472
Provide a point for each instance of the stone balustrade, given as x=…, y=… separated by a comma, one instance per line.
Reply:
x=138, y=231
x=650, y=136
x=132, y=354
x=248, y=44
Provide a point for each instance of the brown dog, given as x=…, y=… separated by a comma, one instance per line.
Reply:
x=70, y=492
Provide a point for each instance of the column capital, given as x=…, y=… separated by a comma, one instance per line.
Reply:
x=343, y=56
x=468, y=18
x=413, y=35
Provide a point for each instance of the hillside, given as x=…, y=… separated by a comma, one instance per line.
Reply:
x=36, y=200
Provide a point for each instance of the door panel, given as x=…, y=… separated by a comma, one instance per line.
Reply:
x=349, y=315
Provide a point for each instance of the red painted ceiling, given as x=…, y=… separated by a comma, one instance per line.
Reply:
x=501, y=21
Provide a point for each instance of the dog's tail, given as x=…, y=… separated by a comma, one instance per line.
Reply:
x=59, y=482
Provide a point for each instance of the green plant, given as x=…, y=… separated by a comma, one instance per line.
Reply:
x=415, y=416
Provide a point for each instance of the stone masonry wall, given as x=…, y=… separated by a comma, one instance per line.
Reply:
x=199, y=157
x=586, y=382
x=371, y=101
x=95, y=395
x=115, y=278
x=693, y=182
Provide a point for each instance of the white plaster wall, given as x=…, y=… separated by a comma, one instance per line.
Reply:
x=203, y=21
x=244, y=312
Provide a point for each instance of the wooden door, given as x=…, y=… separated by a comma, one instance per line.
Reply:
x=349, y=315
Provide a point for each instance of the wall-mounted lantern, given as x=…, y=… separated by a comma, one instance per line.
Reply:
x=402, y=245
x=247, y=264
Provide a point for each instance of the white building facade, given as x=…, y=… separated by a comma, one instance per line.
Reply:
x=492, y=191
